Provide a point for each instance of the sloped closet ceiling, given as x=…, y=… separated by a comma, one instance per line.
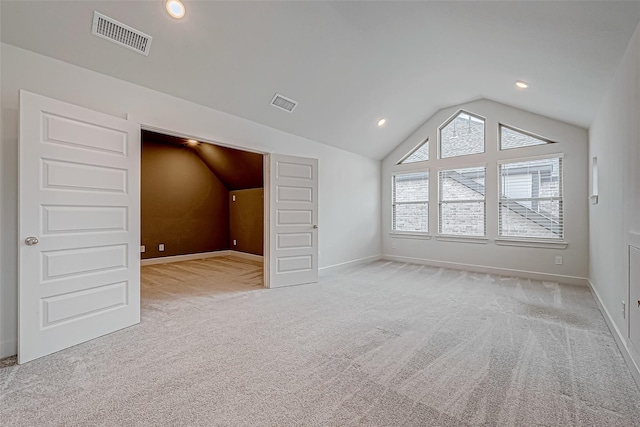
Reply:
x=237, y=169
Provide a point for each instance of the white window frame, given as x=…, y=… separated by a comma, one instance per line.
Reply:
x=410, y=234
x=541, y=242
x=463, y=237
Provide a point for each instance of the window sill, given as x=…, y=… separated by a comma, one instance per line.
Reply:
x=409, y=235
x=548, y=244
x=463, y=239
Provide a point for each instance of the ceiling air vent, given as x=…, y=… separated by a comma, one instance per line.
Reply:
x=117, y=32
x=283, y=102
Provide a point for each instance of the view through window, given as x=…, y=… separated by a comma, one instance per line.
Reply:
x=411, y=202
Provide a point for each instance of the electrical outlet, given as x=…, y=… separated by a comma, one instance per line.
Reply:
x=235, y=242
x=161, y=247
x=142, y=249
x=624, y=310
x=558, y=260
x=394, y=246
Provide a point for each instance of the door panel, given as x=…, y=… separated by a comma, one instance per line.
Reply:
x=79, y=196
x=294, y=217
x=83, y=303
x=295, y=240
x=83, y=219
x=80, y=261
x=65, y=131
x=294, y=233
x=294, y=194
x=82, y=177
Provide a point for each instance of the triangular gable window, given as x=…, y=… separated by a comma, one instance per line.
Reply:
x=418, y=154
x=512, y=138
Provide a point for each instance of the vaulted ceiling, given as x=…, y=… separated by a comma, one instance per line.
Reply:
x=348, y=63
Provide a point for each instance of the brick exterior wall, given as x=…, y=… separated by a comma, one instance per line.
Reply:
x=514, y=139
x=515, y=225
x=467, y=139
x=461, y=219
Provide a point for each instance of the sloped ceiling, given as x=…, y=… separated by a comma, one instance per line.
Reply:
x=237, y=169
x=348, y=63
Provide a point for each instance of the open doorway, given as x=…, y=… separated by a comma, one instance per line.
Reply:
x=202, y=215
x=79, y=192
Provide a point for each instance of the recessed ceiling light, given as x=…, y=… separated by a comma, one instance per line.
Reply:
x=382, y=122
x=175, y=8
x=192, y=142
x=522, y=85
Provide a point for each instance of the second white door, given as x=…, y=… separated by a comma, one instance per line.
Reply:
x=293, y=221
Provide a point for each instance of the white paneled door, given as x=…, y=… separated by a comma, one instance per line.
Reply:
x=79, y=225
x=294, y=221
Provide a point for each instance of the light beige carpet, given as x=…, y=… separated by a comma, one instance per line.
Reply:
x=386, y=344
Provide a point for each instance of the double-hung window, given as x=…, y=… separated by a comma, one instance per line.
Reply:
x=531, y=199
x=410, y=203
x=462, y=201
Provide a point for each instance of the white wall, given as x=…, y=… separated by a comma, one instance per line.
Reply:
x=531, y=262
x=349, y=184
x=614, y=223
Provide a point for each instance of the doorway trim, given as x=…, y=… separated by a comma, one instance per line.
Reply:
x=266, y=182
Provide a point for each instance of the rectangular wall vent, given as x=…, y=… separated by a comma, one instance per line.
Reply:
x=121, y=34
x=283, y=102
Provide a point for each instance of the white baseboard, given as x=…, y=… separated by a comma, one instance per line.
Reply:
x=335, y=267
x=188, y=257
x=202, y=255
x=245, y=255
x=621, y=341
x=569, y=280
x=8, y=348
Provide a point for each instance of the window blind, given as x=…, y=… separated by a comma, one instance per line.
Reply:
x=531, y=204
x=462, y=201
x=410, y=202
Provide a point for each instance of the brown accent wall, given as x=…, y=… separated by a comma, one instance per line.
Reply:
x=247, y=220
x=237, y=169
x=183, y=204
